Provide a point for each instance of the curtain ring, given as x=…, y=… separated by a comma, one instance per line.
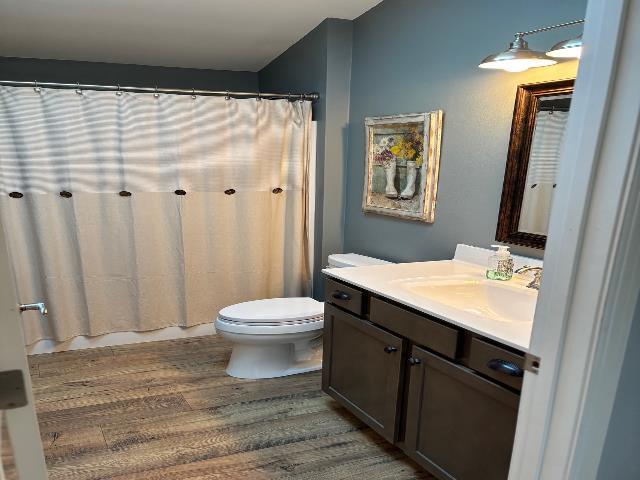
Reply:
x=78, y=89
x=156, y=94
x=119, y=92
x=227, y=96
x=193, y=93
x=259, y=97
x=36, y=88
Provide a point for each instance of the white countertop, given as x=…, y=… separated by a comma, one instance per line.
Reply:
x=386, y=280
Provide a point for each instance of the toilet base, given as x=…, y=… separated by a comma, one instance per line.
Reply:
x=253, y=361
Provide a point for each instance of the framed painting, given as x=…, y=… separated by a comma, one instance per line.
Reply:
x=402, y=163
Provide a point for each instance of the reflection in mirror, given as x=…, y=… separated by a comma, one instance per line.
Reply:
x=550, y=122
x=537, y=131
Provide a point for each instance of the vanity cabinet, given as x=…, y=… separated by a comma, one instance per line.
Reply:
x=362, y=369
x=446, y=396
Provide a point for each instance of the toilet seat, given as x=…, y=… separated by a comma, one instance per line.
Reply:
x=272, y=316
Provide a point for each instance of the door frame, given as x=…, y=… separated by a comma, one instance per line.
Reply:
x=22, y=423
x=592, y=268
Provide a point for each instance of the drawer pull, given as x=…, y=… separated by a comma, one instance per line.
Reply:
x=338, y=295
x=505, y=367
x=414, y=361
x=390, y=349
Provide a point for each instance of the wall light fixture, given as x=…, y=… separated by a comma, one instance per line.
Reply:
x=519, y=57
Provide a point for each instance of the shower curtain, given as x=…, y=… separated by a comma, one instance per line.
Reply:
x=135, y=212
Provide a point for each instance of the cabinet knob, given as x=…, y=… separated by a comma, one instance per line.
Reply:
x=338, y=295
x=390, y=349
x=414, y=361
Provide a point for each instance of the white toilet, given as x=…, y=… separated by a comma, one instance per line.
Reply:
x=279, y=336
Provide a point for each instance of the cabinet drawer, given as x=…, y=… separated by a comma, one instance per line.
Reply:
x=495, y=362
x=419, y=329
x=344, y=296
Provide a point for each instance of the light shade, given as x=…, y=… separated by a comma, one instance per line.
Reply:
x=567, y=49
x=517, y=59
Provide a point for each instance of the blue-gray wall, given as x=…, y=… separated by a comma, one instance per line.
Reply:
x=417, y=56
x=321, y=62
x=66, y=71
x=622, y=445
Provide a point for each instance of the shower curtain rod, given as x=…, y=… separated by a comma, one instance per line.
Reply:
x=176, y=91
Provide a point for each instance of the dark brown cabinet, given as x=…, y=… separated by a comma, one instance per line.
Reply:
x=362, y=367
x=458, y=424
x=446, y=396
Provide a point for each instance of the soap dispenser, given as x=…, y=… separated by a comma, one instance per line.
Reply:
x=500, y=264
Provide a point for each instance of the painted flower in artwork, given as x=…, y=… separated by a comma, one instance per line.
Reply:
x=388, y=141
x=406, y=146
x=382, y=151
x=409, y=146
x=382, y=156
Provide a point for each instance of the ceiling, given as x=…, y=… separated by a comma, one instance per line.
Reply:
x=217, y=34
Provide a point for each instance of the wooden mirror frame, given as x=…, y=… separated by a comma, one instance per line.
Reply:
x=515, y=175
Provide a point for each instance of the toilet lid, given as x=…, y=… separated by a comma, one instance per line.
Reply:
x=273, y=310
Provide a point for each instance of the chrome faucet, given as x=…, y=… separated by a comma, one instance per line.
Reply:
x=537, y=275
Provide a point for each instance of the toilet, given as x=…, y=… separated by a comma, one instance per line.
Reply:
x=276, y=337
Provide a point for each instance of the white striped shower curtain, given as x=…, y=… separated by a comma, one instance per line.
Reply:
x=106, y=262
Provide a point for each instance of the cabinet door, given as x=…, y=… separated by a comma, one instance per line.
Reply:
x=361, y=369
x=458, y=425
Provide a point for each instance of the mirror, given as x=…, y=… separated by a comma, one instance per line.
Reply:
x=539, y=120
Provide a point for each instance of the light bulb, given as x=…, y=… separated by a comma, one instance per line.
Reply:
x=518, y=65
x=571, y=48
x=574, y=52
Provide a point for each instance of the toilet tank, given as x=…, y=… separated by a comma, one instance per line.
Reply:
x=341, y=260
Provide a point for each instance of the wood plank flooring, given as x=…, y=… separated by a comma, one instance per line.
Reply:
x=166, y=410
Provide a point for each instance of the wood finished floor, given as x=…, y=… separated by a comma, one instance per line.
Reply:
x=166, y=410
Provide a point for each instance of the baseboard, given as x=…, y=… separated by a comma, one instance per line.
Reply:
x=119, y=338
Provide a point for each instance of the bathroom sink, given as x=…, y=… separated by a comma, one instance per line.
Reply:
x=505, y=302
